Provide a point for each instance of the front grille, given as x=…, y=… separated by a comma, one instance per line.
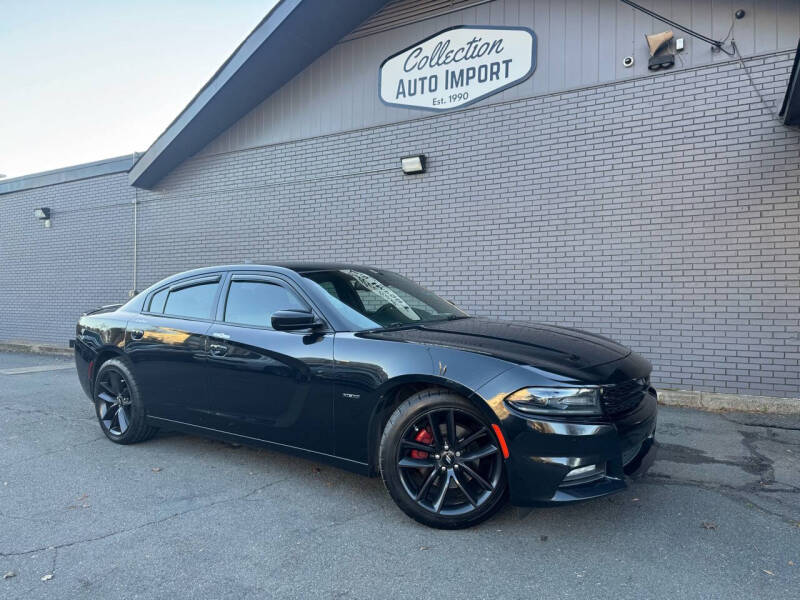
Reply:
x=624, y=397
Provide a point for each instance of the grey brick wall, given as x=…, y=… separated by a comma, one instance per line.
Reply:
x=48, y=277
x=662, y=212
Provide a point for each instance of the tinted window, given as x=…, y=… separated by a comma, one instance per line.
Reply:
x=330, y=288
x=253, y=302
x=158, y=300
x=194, y=302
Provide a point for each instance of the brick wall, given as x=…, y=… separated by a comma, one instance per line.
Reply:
x=662, y=212
x=48, y=277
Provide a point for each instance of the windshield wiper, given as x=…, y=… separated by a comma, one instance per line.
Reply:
x=447, y=318
x=397, y=326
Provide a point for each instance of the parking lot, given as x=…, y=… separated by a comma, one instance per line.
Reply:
x=716, y=516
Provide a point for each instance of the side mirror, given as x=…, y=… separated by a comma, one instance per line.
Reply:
x=292, y=320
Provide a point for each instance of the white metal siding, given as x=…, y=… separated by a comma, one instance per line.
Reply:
x=581, y=43
x=404, y=12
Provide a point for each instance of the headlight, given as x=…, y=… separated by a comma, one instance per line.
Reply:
x=556, y=401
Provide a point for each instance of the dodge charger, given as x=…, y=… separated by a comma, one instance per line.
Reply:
x=364, y=369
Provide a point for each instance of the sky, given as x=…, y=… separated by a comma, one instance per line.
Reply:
x=84, y=80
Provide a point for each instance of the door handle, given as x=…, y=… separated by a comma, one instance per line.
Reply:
x=218, y=349
x=136, y=334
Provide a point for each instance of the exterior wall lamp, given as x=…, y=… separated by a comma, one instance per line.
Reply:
x=43, y=214
x=413, y=164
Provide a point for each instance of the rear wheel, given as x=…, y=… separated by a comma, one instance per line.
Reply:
x=118, y=404
x=441, y=462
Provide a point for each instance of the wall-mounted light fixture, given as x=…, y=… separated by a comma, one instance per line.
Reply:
x=43, y=214
x=413, y=164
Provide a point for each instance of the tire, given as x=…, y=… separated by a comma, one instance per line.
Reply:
x=416, y=465
x=118, y=404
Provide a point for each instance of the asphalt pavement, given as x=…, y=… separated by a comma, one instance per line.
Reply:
x=716, y=516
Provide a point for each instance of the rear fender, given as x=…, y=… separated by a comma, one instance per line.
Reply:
x=97, y=338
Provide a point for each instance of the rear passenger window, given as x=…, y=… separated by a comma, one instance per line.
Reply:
x=253, y=302
x=157, y=301
x=194, y=302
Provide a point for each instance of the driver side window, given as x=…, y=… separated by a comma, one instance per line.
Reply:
x=254, y=302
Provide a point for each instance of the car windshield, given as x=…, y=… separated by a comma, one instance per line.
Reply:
x=373, y=298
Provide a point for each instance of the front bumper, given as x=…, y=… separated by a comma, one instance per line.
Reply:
x=542, y=452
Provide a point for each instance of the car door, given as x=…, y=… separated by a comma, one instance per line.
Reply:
x=167, y=346
x=267, y=384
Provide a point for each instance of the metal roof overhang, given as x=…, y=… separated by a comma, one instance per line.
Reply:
x=291, y=37
x=790, y=111
x=107, y=166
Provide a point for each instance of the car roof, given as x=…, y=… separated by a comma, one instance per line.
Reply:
x=291, y=266
x=305, y=267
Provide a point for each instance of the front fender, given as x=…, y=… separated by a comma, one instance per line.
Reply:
x=370, y=370
x=387, y=400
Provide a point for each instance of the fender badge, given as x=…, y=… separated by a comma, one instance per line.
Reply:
x=353, y=396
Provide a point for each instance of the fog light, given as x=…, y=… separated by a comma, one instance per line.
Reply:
x=585, y=473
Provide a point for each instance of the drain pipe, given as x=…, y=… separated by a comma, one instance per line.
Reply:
x=134, y=291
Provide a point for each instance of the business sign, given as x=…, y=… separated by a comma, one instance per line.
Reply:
x=458, y=66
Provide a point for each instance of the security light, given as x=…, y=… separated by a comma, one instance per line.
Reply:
x=43, y=214
x=413, y=164
x=660, y=55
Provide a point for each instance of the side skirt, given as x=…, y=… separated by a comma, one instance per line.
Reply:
x=336, y=461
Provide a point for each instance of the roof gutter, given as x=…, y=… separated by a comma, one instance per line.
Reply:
x=790, y=110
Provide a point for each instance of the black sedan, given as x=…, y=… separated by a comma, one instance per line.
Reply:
x=364, y=369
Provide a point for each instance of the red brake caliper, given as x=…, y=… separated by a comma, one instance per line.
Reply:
x=425, y=436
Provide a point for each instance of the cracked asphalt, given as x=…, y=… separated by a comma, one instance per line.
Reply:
x=716, y=516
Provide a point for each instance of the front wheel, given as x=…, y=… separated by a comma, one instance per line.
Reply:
x=118, y=404
x=440, y=461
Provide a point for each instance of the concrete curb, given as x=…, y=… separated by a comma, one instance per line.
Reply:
x=35, y=348
x=712, y=401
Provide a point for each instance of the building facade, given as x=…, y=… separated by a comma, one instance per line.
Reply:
x=659, y=208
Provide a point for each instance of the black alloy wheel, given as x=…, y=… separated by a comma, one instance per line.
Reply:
x=114, y=402
x=118, y=404
x=444, y=466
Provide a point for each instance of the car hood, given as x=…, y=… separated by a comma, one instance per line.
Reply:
x=544, y=346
